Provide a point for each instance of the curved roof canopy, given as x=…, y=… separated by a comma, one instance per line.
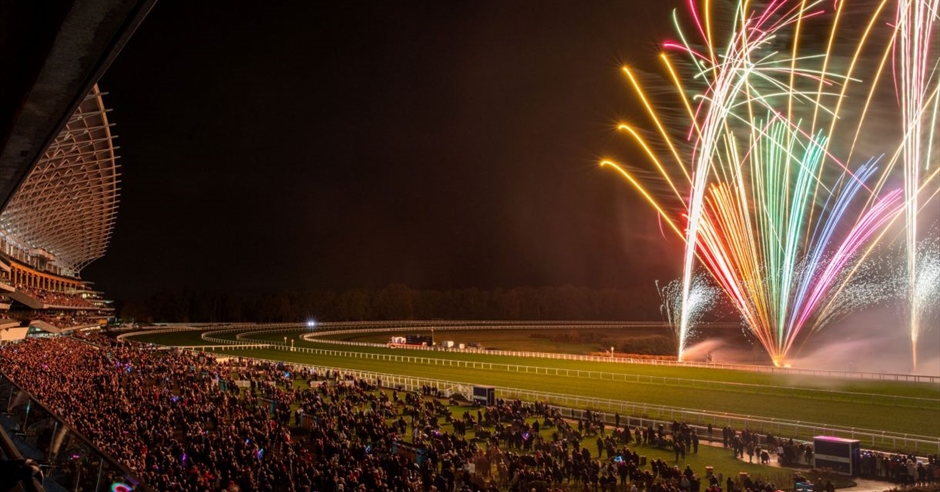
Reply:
x=66, y=207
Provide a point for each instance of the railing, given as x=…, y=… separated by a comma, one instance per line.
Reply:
x=644, y=413
x=236, y=346
x=69, y=460
x=242, y=336
x=338, y=328
x=240, y=332
x=877, y=439
x=699, y=384
x=317, y=337
x=624, y=377
x=10, y=453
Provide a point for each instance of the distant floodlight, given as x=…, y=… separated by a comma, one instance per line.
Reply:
x=311, y=323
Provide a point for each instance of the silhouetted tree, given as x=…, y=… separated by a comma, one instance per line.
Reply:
x=398, y=301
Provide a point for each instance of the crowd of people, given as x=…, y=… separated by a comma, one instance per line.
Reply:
x=762, y=448
x=184, y=421
x=900, y=468
x=56, y=299
x=62, y=320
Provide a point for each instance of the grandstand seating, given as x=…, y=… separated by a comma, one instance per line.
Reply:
x=51, y=299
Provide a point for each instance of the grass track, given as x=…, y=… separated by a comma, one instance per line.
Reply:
x=904, y=420
x=917, y=420
x=888, y=388
x=494, y=339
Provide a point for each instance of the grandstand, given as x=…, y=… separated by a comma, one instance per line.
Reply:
x=58, y=221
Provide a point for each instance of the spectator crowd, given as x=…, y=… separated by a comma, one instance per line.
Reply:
x=56, y=299
x=71, y=320
x=185, y=421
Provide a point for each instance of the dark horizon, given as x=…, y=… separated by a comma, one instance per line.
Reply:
x=332, y=146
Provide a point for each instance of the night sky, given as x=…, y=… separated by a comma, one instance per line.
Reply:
x=270, y=146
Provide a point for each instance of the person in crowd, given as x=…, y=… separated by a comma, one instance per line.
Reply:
x=185, y=422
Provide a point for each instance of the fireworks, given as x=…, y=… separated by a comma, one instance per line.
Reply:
x=926, y=289
x=915, y=22
x=765, y=191
x=702, y=297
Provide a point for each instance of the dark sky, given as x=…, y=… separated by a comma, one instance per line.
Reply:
x=299, y=145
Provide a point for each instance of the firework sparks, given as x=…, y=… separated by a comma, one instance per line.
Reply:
x=915, y=22
x=767, y=206
x=702, y=298
x=926, y=290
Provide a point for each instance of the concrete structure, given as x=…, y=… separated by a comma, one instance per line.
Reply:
x=60, y=220
x=58, y=172
x=51, y=56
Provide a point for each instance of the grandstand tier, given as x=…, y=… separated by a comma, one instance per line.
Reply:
x=58, y=221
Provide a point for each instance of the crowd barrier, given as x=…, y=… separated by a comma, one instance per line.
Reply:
x=698, y=384
x=241, y=337
x=876, y=439
x=643, y=413
x=347, y=328
x=68, y=459
x=319, y=334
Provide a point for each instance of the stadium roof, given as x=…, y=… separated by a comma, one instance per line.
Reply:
x=67, y=205
x=58, y=178
x=51, y=54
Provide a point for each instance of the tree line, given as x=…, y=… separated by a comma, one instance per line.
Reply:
x=397, y=302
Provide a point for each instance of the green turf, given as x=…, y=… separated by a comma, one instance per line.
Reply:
x=721, y=459
x=525, y=340
x=919, y=421
x=914, y=419
x=889, y=388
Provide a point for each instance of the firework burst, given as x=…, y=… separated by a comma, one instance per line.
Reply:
x=770, y=201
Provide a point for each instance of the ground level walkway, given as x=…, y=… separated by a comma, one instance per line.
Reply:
x=861, y=484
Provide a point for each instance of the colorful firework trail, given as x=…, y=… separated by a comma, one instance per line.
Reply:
x=918, y=72
x=769, y=199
